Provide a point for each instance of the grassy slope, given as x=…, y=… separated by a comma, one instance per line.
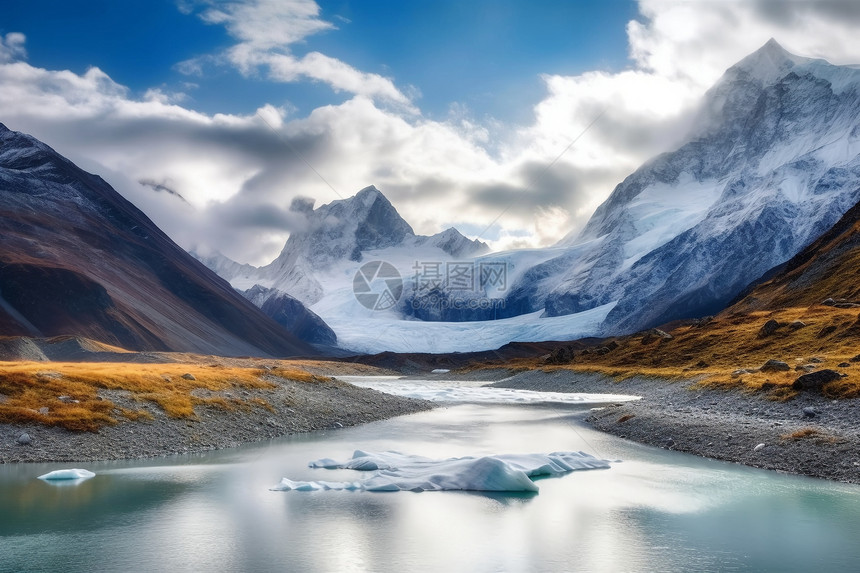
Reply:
x=713, y=350
x=71, y=391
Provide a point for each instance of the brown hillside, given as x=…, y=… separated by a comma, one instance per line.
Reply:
x=784, y=318
x=77, y=259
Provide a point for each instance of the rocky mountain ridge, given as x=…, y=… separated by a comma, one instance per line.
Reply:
x=77, y=259
x=773, y=162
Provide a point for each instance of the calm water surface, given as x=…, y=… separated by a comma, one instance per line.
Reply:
x=654, y=511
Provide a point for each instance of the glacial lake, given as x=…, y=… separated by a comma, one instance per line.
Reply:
x=655, y=510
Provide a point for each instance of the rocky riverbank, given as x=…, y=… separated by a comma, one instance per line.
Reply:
x=808, y=435
x=290, y=408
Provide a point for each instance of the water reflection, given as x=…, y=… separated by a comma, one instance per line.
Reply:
x=33, y=506
x=66, y=482
x=656, y=510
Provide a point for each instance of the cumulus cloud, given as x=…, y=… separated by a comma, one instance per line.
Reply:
x=12, y=47
x=237, y=173
x=696, y=41
x=264, y=24
x=234, y=177
x=267, y=30
x=162, y=96
x=677, y=51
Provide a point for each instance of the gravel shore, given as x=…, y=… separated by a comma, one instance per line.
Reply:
x=809, y=435
x=295, y=407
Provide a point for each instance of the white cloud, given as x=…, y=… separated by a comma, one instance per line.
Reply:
x=696, y=41
x=166, y=97
x=340, y=76
x=678, y=50
x=238, y=172
x=12, y=47
x=266, y=24
x=266, y=31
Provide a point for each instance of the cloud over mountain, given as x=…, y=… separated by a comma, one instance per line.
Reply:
x=239, y=171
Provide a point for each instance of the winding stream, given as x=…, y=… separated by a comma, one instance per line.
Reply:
x=654, y=510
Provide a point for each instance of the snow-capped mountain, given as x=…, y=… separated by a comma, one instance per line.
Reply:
x=319, y=262
x=338, y=234
x=343, y=231
x=338, y=231
x=224, y=266
x=772, y=163
x=77, y=259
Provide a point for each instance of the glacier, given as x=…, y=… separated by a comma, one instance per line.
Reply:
x=362, y=330
x=395, y=471
x=368, y=333
x=773, y=161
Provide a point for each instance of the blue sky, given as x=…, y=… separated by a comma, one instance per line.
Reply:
x=485, y=54
x=454, y=109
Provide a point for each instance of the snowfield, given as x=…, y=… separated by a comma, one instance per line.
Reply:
x=362, y=330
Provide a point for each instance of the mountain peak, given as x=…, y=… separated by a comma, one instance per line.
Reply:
x=773, y=48
x=454, y=243
x=341, y=230
x=369, y=203
x=368, y=196
x=370, y=190
x=770, y=62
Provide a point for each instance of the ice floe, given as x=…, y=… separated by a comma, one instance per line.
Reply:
x=67, y=475
x=394, y=471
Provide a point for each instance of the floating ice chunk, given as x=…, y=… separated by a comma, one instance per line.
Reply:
x=439, y=371
x=67, y=475
x=394, y=471
x=288, y=484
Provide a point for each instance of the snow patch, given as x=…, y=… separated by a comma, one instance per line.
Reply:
x=394, y=471
x=663, y=211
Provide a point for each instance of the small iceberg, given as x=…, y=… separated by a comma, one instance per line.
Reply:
x=73, y=474
x=440, y=371
x=394, y=471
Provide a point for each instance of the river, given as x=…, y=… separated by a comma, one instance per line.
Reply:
x=653, y=510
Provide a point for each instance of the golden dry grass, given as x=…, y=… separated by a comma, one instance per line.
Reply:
x=810, y=434
x=712, y=352
x=27, y=387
